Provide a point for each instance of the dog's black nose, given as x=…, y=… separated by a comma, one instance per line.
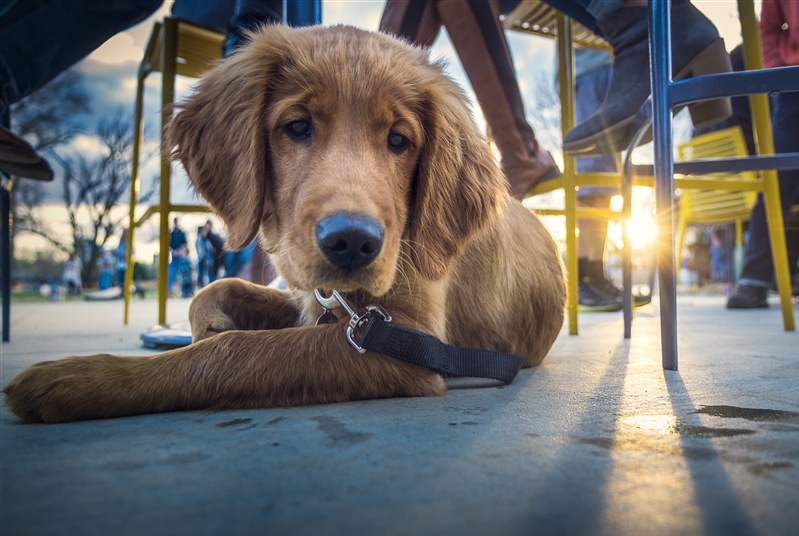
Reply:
x=349, y=240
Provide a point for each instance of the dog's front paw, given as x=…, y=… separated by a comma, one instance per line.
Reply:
x=65, y=390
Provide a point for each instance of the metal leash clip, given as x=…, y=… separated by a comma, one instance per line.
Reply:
x=358, y=320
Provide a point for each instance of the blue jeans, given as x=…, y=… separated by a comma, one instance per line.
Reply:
x=182, y=266
x=586, y=12
x=590, y=89
x=40, y=40
x=758, y=267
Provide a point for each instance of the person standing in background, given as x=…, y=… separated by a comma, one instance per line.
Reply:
x=779, y=28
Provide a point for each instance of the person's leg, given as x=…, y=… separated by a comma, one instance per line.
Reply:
x=413, y=20
x=595, y=293
x=758, y=271
x=171, y=274
x=250, y=15
x=696, y=49
x=475, y=31
x=39, y=40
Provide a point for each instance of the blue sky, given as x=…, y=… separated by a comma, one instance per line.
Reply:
x=109, y=77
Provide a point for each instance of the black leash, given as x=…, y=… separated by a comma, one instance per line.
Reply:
x=372, y=329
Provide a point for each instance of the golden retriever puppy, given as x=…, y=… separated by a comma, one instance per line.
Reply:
x=358, y=163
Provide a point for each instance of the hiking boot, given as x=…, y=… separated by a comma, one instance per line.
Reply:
x=748, y=297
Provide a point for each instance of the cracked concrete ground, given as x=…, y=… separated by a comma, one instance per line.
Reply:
x=596, y=440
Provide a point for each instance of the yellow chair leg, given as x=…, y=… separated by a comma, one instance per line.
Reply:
x=761, y=119
x=566, y=81
x=167, y=98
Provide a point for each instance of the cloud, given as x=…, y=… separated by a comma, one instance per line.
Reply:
x=118, y=49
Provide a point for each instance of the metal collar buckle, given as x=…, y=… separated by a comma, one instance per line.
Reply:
x=358, y=320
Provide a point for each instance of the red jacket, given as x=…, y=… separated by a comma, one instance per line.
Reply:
x=779, y=31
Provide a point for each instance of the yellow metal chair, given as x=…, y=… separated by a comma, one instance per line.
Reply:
x=715, y=206
x=533, y=16
x=175, y=48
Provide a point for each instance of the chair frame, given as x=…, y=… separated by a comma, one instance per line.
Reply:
x=667, y=95
x=175, y=47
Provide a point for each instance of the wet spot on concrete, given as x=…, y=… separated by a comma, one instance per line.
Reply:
x=234, y=422
x=177, y=458
x=706, y=431
x=247, y=427
x=338, y=434
x=750, y=414
x=467, y=411
x=276, y=420
x=779, y=427
x=766, y=468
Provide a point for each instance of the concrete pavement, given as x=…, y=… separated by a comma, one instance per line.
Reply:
x=596, y=440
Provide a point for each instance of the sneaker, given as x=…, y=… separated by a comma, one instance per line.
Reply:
x=598, y=296
x=748, y=297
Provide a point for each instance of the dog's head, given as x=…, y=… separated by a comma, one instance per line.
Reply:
x=343, y=147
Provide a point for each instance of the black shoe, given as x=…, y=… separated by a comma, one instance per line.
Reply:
x=598, y=296
x=748, y=297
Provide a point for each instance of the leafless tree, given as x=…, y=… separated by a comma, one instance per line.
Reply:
x=94, y=186
x=543, y=113
x=46, y=120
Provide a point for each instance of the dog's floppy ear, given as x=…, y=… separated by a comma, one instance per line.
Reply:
x=459, y=184
x=220, y=135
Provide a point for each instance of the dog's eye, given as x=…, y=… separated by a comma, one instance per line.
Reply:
x=299, y=130
x=397, y=142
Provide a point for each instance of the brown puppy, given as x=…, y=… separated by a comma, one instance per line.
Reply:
x=360, y=165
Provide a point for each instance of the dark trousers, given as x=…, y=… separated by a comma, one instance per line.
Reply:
x=758, y=263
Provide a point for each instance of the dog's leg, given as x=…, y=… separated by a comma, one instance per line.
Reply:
x=235, y=369
x=233, y=304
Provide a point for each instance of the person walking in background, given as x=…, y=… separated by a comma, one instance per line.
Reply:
x=210, y=254
x=72, y=274
x=779, y=28
x=120, y=258
x=106, y=265
x=179, y=264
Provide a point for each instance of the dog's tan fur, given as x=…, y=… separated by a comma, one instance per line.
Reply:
x=460, y=259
